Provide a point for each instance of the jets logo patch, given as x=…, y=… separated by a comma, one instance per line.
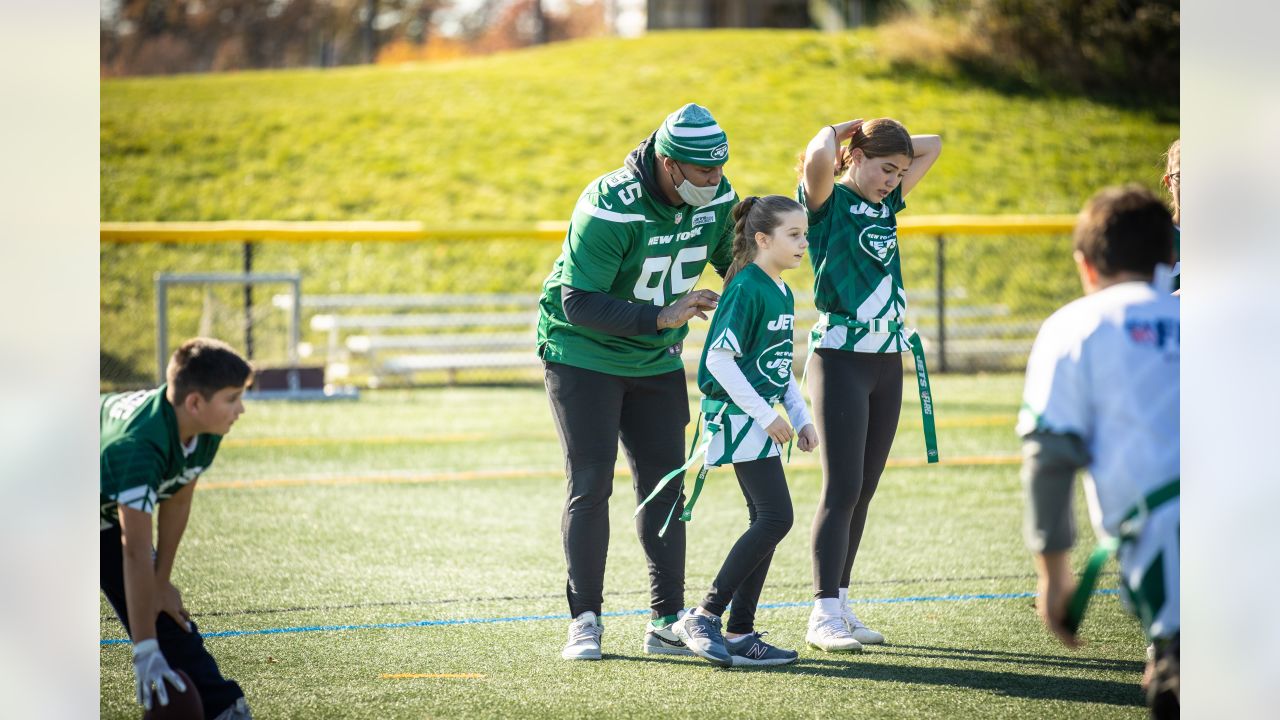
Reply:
x=879, y=242
x=775, y=363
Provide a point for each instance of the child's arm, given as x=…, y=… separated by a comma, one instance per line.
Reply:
x=172, y=517
x=927, y=148
x=139, y=573
x=820, y=162
x=1049, y=465
x=721, y=365
x=793, y=401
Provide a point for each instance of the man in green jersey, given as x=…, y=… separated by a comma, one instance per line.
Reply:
x=613, y=316
x=154, y=445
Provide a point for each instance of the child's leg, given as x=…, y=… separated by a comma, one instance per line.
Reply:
x=181, y=649
x=769, y=505
x=883, y=410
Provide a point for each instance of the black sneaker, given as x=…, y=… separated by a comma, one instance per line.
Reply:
x=701, y=634
x=751, y=650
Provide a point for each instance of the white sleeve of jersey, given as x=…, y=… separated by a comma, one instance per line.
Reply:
x=1056, y=397
x=725, y=370
x=793, y=401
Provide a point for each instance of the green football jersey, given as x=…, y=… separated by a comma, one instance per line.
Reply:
x=142, y=461
x=756, y=320
x=853, y=247
x=635, y=248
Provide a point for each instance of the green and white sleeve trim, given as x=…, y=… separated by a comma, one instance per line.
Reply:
x=141, y=498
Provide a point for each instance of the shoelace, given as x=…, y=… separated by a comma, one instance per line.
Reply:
x=833, y=627
x=854, y=622
x=580, y=631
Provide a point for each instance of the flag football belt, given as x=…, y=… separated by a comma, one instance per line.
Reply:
x=1130, y=529
x=716, y=409
x=883, y=326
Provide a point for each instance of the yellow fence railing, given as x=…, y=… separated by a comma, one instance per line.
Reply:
x=399, y=231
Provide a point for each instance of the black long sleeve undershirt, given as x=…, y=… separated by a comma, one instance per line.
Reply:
x=604, y=313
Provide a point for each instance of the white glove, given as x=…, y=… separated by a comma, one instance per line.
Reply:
x=150, y=668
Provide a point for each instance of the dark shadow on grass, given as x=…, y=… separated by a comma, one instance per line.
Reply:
x=970, y=655
x=1011, y=684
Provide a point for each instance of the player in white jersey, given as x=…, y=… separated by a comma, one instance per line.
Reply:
x=1102, y=394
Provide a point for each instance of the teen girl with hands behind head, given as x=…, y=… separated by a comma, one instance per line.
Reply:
x=853, y=195
x=746, y=369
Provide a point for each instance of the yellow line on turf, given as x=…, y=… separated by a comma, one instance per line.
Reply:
x=407, y=676
x=468, y=437
x=518, y=474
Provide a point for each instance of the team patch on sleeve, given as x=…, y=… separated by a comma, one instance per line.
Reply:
x=727, y=341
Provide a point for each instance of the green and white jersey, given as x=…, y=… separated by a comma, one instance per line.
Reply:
x=635, y=248
x=756, y=320
x=853, y=247
x=142, y=460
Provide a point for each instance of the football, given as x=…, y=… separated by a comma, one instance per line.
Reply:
x=182, y=705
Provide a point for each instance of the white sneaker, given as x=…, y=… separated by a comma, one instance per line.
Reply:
x=239, y=710
x=831, y=634
x=584, y=638
x=859, y=629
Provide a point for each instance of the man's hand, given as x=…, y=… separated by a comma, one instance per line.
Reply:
x=1054, y=589
x=169, y=600
x=808, y=439
x=780, y=431
x=150, y=668
x=686, y=308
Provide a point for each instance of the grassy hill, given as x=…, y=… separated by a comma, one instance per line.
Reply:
x=516, y=136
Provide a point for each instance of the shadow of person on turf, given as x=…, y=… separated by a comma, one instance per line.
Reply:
x=971, y=655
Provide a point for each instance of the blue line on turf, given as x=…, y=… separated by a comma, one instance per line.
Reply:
x=616, y=613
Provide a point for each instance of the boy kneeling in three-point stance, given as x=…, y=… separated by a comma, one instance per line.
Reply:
x=154, y=444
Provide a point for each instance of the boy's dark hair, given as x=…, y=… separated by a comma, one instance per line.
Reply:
x=205, y=365
x=1125, y=229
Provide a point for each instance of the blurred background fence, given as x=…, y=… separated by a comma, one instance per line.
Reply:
x=403, y=303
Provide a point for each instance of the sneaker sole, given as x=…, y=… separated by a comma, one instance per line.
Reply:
x=590, y=656
x=739, y=661
x=835, y=650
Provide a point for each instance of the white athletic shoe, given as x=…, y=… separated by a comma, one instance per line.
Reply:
x=859, y=629
x=830, y=633
x=239, y=710
x=584, y=638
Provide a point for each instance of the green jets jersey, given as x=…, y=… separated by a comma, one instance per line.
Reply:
x=756, y=320
x=853, y=246
x=142, y=461
x=635, y=248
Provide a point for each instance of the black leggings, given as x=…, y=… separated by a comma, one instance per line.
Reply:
x=592, y=411
x=181, y=649
x=764, y=485
x=857, y=398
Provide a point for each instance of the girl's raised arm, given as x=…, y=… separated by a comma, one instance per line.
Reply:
x=820, y=158
x=927, y=149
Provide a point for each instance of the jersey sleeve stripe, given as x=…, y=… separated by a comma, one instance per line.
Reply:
x=609, y=214
x=139, y=498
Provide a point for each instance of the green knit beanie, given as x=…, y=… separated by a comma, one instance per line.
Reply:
x=691, y=135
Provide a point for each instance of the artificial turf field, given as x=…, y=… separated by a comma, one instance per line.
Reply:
x=399, y=556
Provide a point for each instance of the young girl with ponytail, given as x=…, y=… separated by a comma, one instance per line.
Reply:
x=746, y=369
x=853, y=195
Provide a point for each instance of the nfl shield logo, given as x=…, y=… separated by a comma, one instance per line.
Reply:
x=679, y=217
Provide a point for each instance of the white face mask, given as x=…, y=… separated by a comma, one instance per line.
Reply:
x=695, y=195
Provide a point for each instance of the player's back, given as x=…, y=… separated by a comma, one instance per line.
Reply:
x=1124, y=341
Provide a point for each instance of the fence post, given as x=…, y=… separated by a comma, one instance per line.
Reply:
x=162, y=327
x=248, y=301
x=941, y=289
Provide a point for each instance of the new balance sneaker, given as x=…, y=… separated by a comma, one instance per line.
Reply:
x=831, y=634
x=859, y=629
x=584, y=638
x=751, y=650
x=701, y=634
x=661, y=640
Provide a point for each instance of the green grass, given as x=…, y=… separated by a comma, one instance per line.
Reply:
x=362, y=543
x=516, y=136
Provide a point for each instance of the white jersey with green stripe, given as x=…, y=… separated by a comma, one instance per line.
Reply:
x=857, y=273
x=635, y=248
x=1105, y=368
x=142, y=460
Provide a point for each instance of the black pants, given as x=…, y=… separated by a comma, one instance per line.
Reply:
x=857, y=398
x=592, y=411
x=181, y=649
x=742, y=575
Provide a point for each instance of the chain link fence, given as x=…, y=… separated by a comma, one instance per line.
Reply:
x=426, y=312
